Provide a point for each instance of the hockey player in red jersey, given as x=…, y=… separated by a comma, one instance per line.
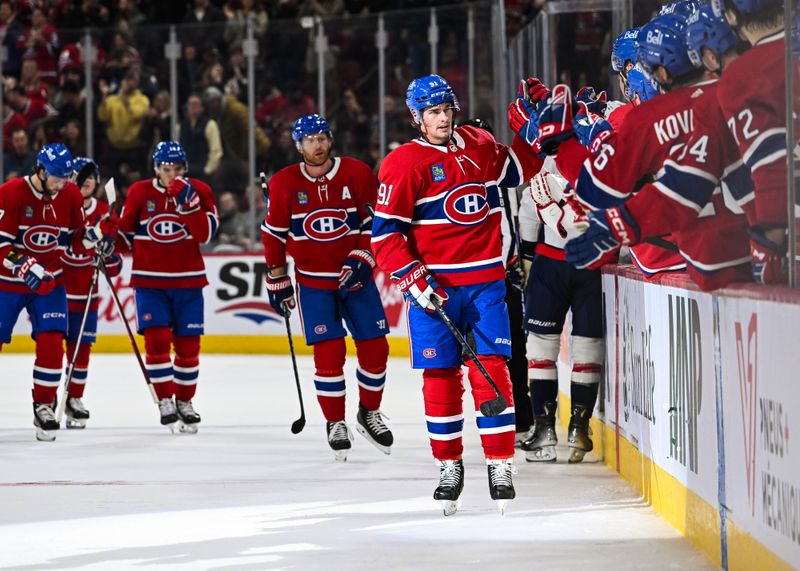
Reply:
x=164, y=221
x=317, y=214
x=78, y=271
x=701, y=180
x=752, y=94
x=437, y=232
x=41, y=215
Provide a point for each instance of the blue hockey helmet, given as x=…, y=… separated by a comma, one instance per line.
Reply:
x=169, y=152
x=662, y=43
x=641, y=84
x=624, y=50
x=743, y=6
x=428, y=91
x=56, y=160
x=705, y=29
x=78, y=163
x=682, y=9
x=308, y=125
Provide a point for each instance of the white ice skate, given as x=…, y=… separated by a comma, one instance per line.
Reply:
x=76, y=412
x=340, y=439
x=451, y=484
x=44, y=419
x=188, y=417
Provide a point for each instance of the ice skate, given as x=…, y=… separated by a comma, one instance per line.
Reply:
x=522, y=436
x=189, y=419
x=372, y=427
x=541, y=445
x=578, y=434
x=501, y=488
x=451, y=483
x=340, y=439
x=44, y=419
x=169, y=415
x=77, y=414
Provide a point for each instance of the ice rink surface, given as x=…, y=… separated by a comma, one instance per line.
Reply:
x=245, y=494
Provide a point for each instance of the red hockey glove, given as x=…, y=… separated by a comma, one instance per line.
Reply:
x=418, y=286
x=596, y=102
x=184, y=194
x=281, y=293
x=555, y=119
x=113, y=265
x=357, y=270
x=533, y=90
x=768, y=259
x=524, y=121
x=31, y=272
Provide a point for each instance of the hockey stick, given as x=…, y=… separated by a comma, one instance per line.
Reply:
x=71, y=368
x=490, y=407
x=102, y=266
x=300, y=423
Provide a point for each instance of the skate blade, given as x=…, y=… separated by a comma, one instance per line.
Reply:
x=450, y=507
x=576, y=455
x=76, y=423
x=544, y=454
x=44, y=435
x=173, y=427
x=363, y=432
x=501, y=506
x=340, y=455
x=187, y=428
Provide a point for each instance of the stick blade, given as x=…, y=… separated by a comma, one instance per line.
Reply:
x=493, y=407
x=111, y=191
x=298, y=425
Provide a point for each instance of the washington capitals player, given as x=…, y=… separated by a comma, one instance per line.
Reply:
x=78, y=271
x=164, y=222
x=317, y=214
x=437, y=231
x=40, y=215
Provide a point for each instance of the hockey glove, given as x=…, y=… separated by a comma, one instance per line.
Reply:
x=547, y=198
x=184, y=194
x=524, y=121
x=591, y=129
x=102, y=235
x=555, y=119
x=515, y=274
x=533, y=90
x=113, y=265
x=768, y=259
x=281, y=293
x=357, y=270
x=596, y=102
x=608, y=231
x=31, y=272
x=418, y=286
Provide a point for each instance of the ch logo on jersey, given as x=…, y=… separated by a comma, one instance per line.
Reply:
x=40, y=239
x=326, y=225
x=166, y=229
x=466, y=205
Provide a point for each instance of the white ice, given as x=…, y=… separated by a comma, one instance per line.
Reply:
x=246, y=494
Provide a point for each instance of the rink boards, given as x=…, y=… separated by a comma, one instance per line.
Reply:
x=701, y=411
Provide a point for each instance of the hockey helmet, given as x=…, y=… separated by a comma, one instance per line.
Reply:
x=662, y=43
x=743, y=6
x=56, y=160
x=682, y=9
x=428, y=91
x=308, y=125
x=624, y=50
x=78, y=163
x=641, y=84
x=705, y=29
x=169, y=152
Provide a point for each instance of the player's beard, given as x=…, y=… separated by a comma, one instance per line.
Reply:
x=312, y=161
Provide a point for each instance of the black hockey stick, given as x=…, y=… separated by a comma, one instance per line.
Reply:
x=300, y=423
x=71, y=368
x=490, y=407
x=86, y=171
x=102, y=266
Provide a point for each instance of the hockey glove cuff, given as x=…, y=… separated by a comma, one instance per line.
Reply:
x=418, y=286
x=113, y=265
x=607, y=232
x=281, y=293
x=31, y=272
x=357, y=270
x=768, y=259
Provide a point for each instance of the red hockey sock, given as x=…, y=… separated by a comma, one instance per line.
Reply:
x=81, y=370
x=497, y=432
x=371, y=371
x=187, y=365
x=329, y=377
x=443, y=390
x=157, y=341
x=47, y=366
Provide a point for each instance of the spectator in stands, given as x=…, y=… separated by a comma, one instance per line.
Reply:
x=232, y=234
x=236, y=24
x=201, y=140
x=297, y=103
x=231, y=115
x=11, y=30
x=208, y=23
x=213, y=76
x=20, y=160
x=272, y=101
x=352, y=127
x=283, y=153
x=87, y=13
x=35, y=111
x=70, y=104
x=121, y=57
x=30, y=79
x=190, y=68
x=322, y=8
x=40, y=42
x=158, y=123
x=11, y=121
x=236, y=74
x=73, y=136
x=128, y=11
x=124, y=113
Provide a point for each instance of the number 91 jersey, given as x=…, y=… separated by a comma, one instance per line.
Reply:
x=318, y=220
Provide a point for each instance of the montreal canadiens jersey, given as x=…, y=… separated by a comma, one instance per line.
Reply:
x=38, y=226
x=319, y=221
x=166, y=243
x=441, y=205
x=752, y=94
x=697, y=198
x=79, y=267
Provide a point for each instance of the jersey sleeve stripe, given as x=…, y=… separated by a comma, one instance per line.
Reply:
x=594, y=192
